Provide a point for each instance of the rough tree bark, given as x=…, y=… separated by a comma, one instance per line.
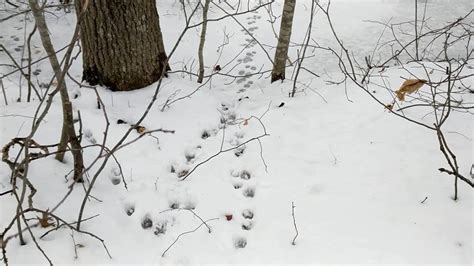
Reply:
x=122, y=43
x=68, y=133
x=203, y=39
x=281, y=53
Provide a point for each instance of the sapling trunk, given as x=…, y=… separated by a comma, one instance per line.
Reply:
x=281, y=53
x=202, y=41
x=68, y=133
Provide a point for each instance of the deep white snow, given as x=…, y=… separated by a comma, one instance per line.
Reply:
x=356, y=173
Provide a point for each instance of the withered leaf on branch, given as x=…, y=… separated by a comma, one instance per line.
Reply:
x=389, y=107
x=45, y=220
x=139, y=129
x=409, y=86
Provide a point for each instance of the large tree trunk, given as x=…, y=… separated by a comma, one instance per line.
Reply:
x=281, y=53
x=122, y=43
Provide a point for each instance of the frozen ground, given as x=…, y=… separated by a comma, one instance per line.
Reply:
x=355, y=173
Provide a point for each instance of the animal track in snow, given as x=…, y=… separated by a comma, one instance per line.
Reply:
x=239, y=151
x=237, y=184
x=249, y=192
x=241, y=80
x=160, y=227
x=247, y=59
x=205, y=134
x=245, y=175
x=190, y=156
x=89, y=136
x=173, y=204
x=240, y=242
x=247, y=214
x=129, y=209
x=234, y=173
x=115, y=176
x=189, y=204
x=247, y=225
x=239, y=135
x=147, y=222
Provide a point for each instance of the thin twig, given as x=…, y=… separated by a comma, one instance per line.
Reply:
x=294, y=222
x=187, y=232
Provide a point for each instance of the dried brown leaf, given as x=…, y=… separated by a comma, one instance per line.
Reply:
x=45, y=220
x=409, y=86
x=140, y=129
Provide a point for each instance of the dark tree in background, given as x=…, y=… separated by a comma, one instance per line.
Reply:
x=122, y=43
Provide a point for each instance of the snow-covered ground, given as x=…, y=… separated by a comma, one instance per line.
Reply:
x=356, y=173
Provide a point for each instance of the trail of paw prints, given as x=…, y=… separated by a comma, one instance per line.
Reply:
x=192, y=155
x=13, y=41
x=245, y=73
x=164, y=220
x=246, y=218
x=240, y=182
x=240, y=179
x=158, y=223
